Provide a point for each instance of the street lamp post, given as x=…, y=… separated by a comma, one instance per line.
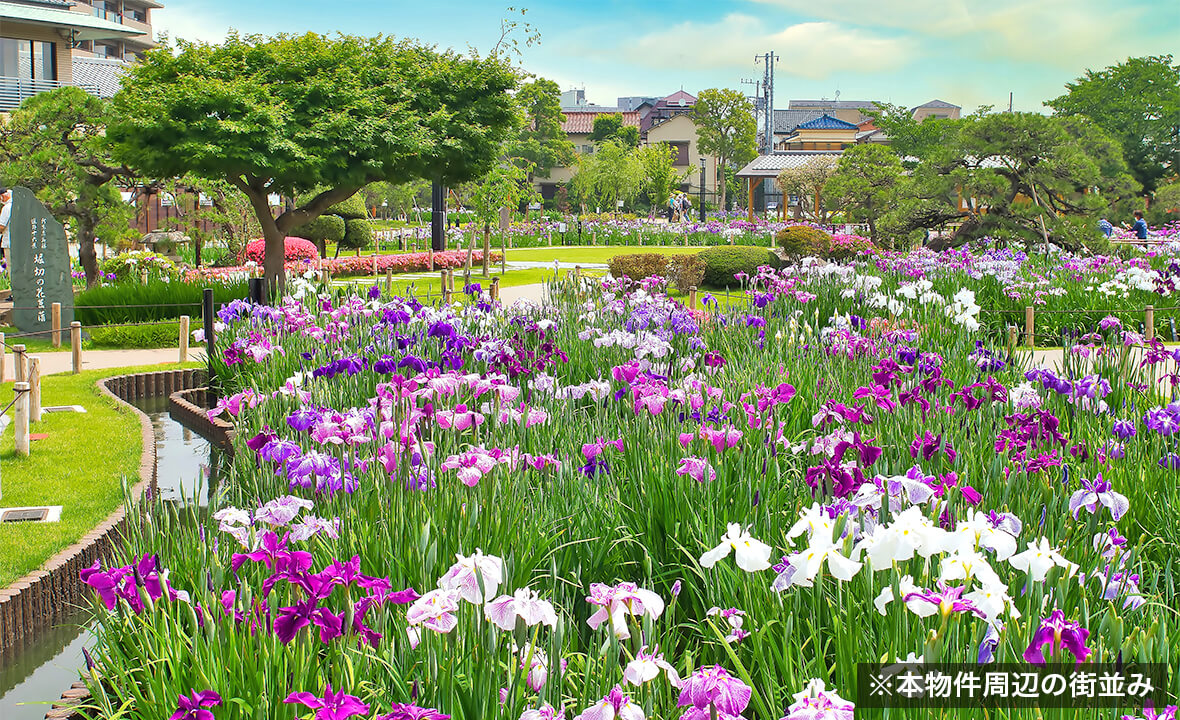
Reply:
x=702, y=203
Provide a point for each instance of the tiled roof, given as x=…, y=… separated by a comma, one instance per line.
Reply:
x=103, y=73
x=833, y=104
x=581, y=120
x=938, y=104
x=771, y=165
x=785, y=121
x=827, y=122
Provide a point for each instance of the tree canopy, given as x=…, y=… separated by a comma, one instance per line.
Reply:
x=540, y=143
x=54, y=145
x=289, y=114
x=726, y=129
x=865, y=184
x=808, y=182
x=610, y=127
x=1138, y=103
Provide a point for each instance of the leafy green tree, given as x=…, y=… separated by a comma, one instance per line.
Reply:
x=541, y=143
x=610, y=127
x=610, y=175
x=399, y=198
x=504, y=186
x=1167, y=198
x=910, y=138
x=1022, y=175
x=865, y=184
x=658, y=172
x=1138, y=103
x=54, y=145
x=291, y=113
x=808, y=182
x=726, y=129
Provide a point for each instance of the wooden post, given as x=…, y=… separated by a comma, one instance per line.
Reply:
x=76, y=345
x=183, y=339
x=22, y=418
x=1149, y=322
x=325, y=276
x=34, y=389
x=56, y=311
x=19, y=363
x=692, y=297
x=1013, y=333
x=446, y=288
x=1029, y=326
x=594, y=236
x=495, y=289
x=487, y=250
x=389, y=281
x=3, y=357
x=750, y=199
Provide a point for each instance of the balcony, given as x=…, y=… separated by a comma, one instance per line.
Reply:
x=15, y=90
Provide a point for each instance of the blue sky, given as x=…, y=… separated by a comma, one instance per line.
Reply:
x=902, y=51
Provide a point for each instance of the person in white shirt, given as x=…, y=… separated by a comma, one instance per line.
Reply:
x=5, y=221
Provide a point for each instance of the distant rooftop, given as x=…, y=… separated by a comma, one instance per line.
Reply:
x=105, y=74
x=938, y=104
x=81, y=25
x=580, y=120
x=832, y=104
x=827, y=122
x=768, y=166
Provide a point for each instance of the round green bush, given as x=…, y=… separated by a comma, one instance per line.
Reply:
x=358, y=234
x=351, y=209
x=322, y=230
x=803, y=241
x=725, y=261
x=638, y=266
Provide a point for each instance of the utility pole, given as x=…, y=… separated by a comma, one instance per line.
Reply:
x=768, y=60
x=759, y=112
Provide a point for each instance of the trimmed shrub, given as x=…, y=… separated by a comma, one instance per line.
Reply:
x=321, y=231
x=723, y=262
x=358, y=234
x=686, y=271
x=844, y=247
x=130, y=302
x=294, y=248
x=351, y=209
x=639, y=265
x=803, y=241
x=140, y=336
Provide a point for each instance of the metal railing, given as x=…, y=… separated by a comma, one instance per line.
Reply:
x=15, y=90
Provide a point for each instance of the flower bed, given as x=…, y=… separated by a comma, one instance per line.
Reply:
x=614, y=506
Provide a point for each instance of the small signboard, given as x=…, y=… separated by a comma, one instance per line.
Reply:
x=561, y=227
x=505, y=217
x=535, y=206
x=40, y=265
x=619, y=203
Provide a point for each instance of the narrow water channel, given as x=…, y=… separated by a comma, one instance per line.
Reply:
x=33, y=676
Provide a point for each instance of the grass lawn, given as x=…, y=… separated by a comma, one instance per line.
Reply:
x=80, y=466
x=595, y=254
x=433, y=284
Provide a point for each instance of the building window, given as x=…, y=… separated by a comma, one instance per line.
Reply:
x=28, y=59
x=681, y=153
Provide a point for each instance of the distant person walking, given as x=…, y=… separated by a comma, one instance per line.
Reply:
x=5, y=221
x=1105, y=227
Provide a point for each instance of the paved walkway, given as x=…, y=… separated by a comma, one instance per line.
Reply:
x=53, y=363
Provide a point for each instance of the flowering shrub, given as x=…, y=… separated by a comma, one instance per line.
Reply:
x=294, y=249
x=130, y=266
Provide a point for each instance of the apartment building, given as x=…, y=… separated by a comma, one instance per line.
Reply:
x=46, y=44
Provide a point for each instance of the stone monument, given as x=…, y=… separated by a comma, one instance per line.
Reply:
x=39, y=266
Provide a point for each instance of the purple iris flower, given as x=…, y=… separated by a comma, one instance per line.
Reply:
x=712, y=692
x=303, y=419
x=947, y=599
x=332, y=706
x=279, y=452
x=405, y=711
x=414, y=363
x=192, y=706
x=1058, y=633
x=375, y=292
x=1098, y=492
x=1123, y=429
x=1165, y=420
x=987, y=646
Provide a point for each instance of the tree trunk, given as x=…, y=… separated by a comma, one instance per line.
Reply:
x=273, y=263
x=487, y=248
x=86, y=255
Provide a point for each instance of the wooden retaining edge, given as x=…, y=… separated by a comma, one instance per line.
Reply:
x=45, y=596
x=189, y=408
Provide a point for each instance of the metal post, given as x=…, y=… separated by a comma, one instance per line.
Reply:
x=702, y=213
x=207, y=318
x=257, y=288
x=19, y=363
x=34, y=389
x=76, y=346
x=438, y=217
x=22, y=418
x=183, y=339
x=56, y=318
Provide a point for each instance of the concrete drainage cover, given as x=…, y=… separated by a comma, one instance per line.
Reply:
x=64, y=408
x=44, y=514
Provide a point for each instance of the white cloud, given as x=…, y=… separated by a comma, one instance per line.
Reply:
x=191, y=21
x=815, y=50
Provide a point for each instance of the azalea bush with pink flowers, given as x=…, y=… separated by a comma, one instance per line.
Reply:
x=612, y=505
x=294, y=250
